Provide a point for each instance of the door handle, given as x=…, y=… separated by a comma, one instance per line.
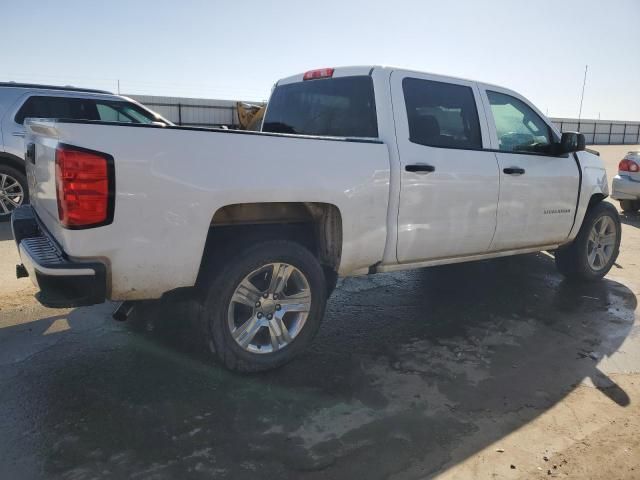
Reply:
x=30, y=154
x=18, y=134
x=420, y=168
x=514, y=171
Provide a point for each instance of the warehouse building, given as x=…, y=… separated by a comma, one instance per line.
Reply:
x=194, y=112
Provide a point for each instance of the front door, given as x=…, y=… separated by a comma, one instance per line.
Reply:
x=449, y=185
x=538, y=190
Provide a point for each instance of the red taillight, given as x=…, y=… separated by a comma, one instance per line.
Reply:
x=84, y=185
x=628, y=166
x=319, y=73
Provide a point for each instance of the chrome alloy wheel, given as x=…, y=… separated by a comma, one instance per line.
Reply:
x=269, y=308
x=601, y=243
x=11, y=194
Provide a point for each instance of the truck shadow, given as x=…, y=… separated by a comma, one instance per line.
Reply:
x=632, y=219
x=414, y=369
x=5, y=231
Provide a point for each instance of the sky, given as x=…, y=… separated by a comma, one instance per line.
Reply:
x=238, y=49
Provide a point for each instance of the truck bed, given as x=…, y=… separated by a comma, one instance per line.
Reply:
x=170, y=181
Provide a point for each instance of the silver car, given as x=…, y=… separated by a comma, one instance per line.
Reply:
x=19, y=101
x=626, y=185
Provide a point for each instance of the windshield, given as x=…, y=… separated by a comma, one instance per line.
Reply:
x=338, y=107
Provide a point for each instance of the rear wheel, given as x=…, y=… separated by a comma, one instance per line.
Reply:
x=13, y=191
x=592, y=254
x=264, y=306
x=630, y=206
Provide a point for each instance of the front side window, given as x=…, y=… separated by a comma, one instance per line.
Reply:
x=113, y=111
x=441, y=114
x=519, y=127
x=337, y=107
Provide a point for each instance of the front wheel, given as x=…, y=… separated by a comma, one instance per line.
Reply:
x=592, y=254
x=264, y=306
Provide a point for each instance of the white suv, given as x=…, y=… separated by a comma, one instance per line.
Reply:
x=18, y=101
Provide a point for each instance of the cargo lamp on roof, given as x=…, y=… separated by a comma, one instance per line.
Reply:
x=319, y=73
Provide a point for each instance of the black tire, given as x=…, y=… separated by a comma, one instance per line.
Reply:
x=220, y=283
x=572, y=260
x=21, y=179
x=629, y=206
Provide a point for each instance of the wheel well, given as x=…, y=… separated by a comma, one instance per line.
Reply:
x=13, y=161
x=316, y=226
x=595, y=199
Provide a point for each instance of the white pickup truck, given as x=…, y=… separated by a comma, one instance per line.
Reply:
x=358, y=170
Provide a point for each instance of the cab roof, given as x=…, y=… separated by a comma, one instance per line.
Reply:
x=352, y=70
x=37, y=86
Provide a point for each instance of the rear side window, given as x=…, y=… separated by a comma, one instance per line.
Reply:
x=338, y=107
x=57, y=107
x=82, y=109
x=441, y=114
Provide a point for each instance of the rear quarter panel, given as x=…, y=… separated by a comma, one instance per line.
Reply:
x=170, y=182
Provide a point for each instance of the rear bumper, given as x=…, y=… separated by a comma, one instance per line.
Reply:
x=623, y=188
x=62, y=282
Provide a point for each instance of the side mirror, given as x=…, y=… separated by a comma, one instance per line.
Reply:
x=571, y=142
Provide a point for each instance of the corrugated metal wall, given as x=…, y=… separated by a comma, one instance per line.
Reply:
x=602, y=132
x=199, y=112
x=204, y=112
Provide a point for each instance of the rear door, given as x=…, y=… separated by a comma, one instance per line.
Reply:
x=13, y=132
x=538, y=190
x=449, y=184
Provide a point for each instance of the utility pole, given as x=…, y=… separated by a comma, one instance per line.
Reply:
x=584, y=82
x=119, y=89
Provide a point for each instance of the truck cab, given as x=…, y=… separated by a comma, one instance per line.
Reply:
x=475, y=168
